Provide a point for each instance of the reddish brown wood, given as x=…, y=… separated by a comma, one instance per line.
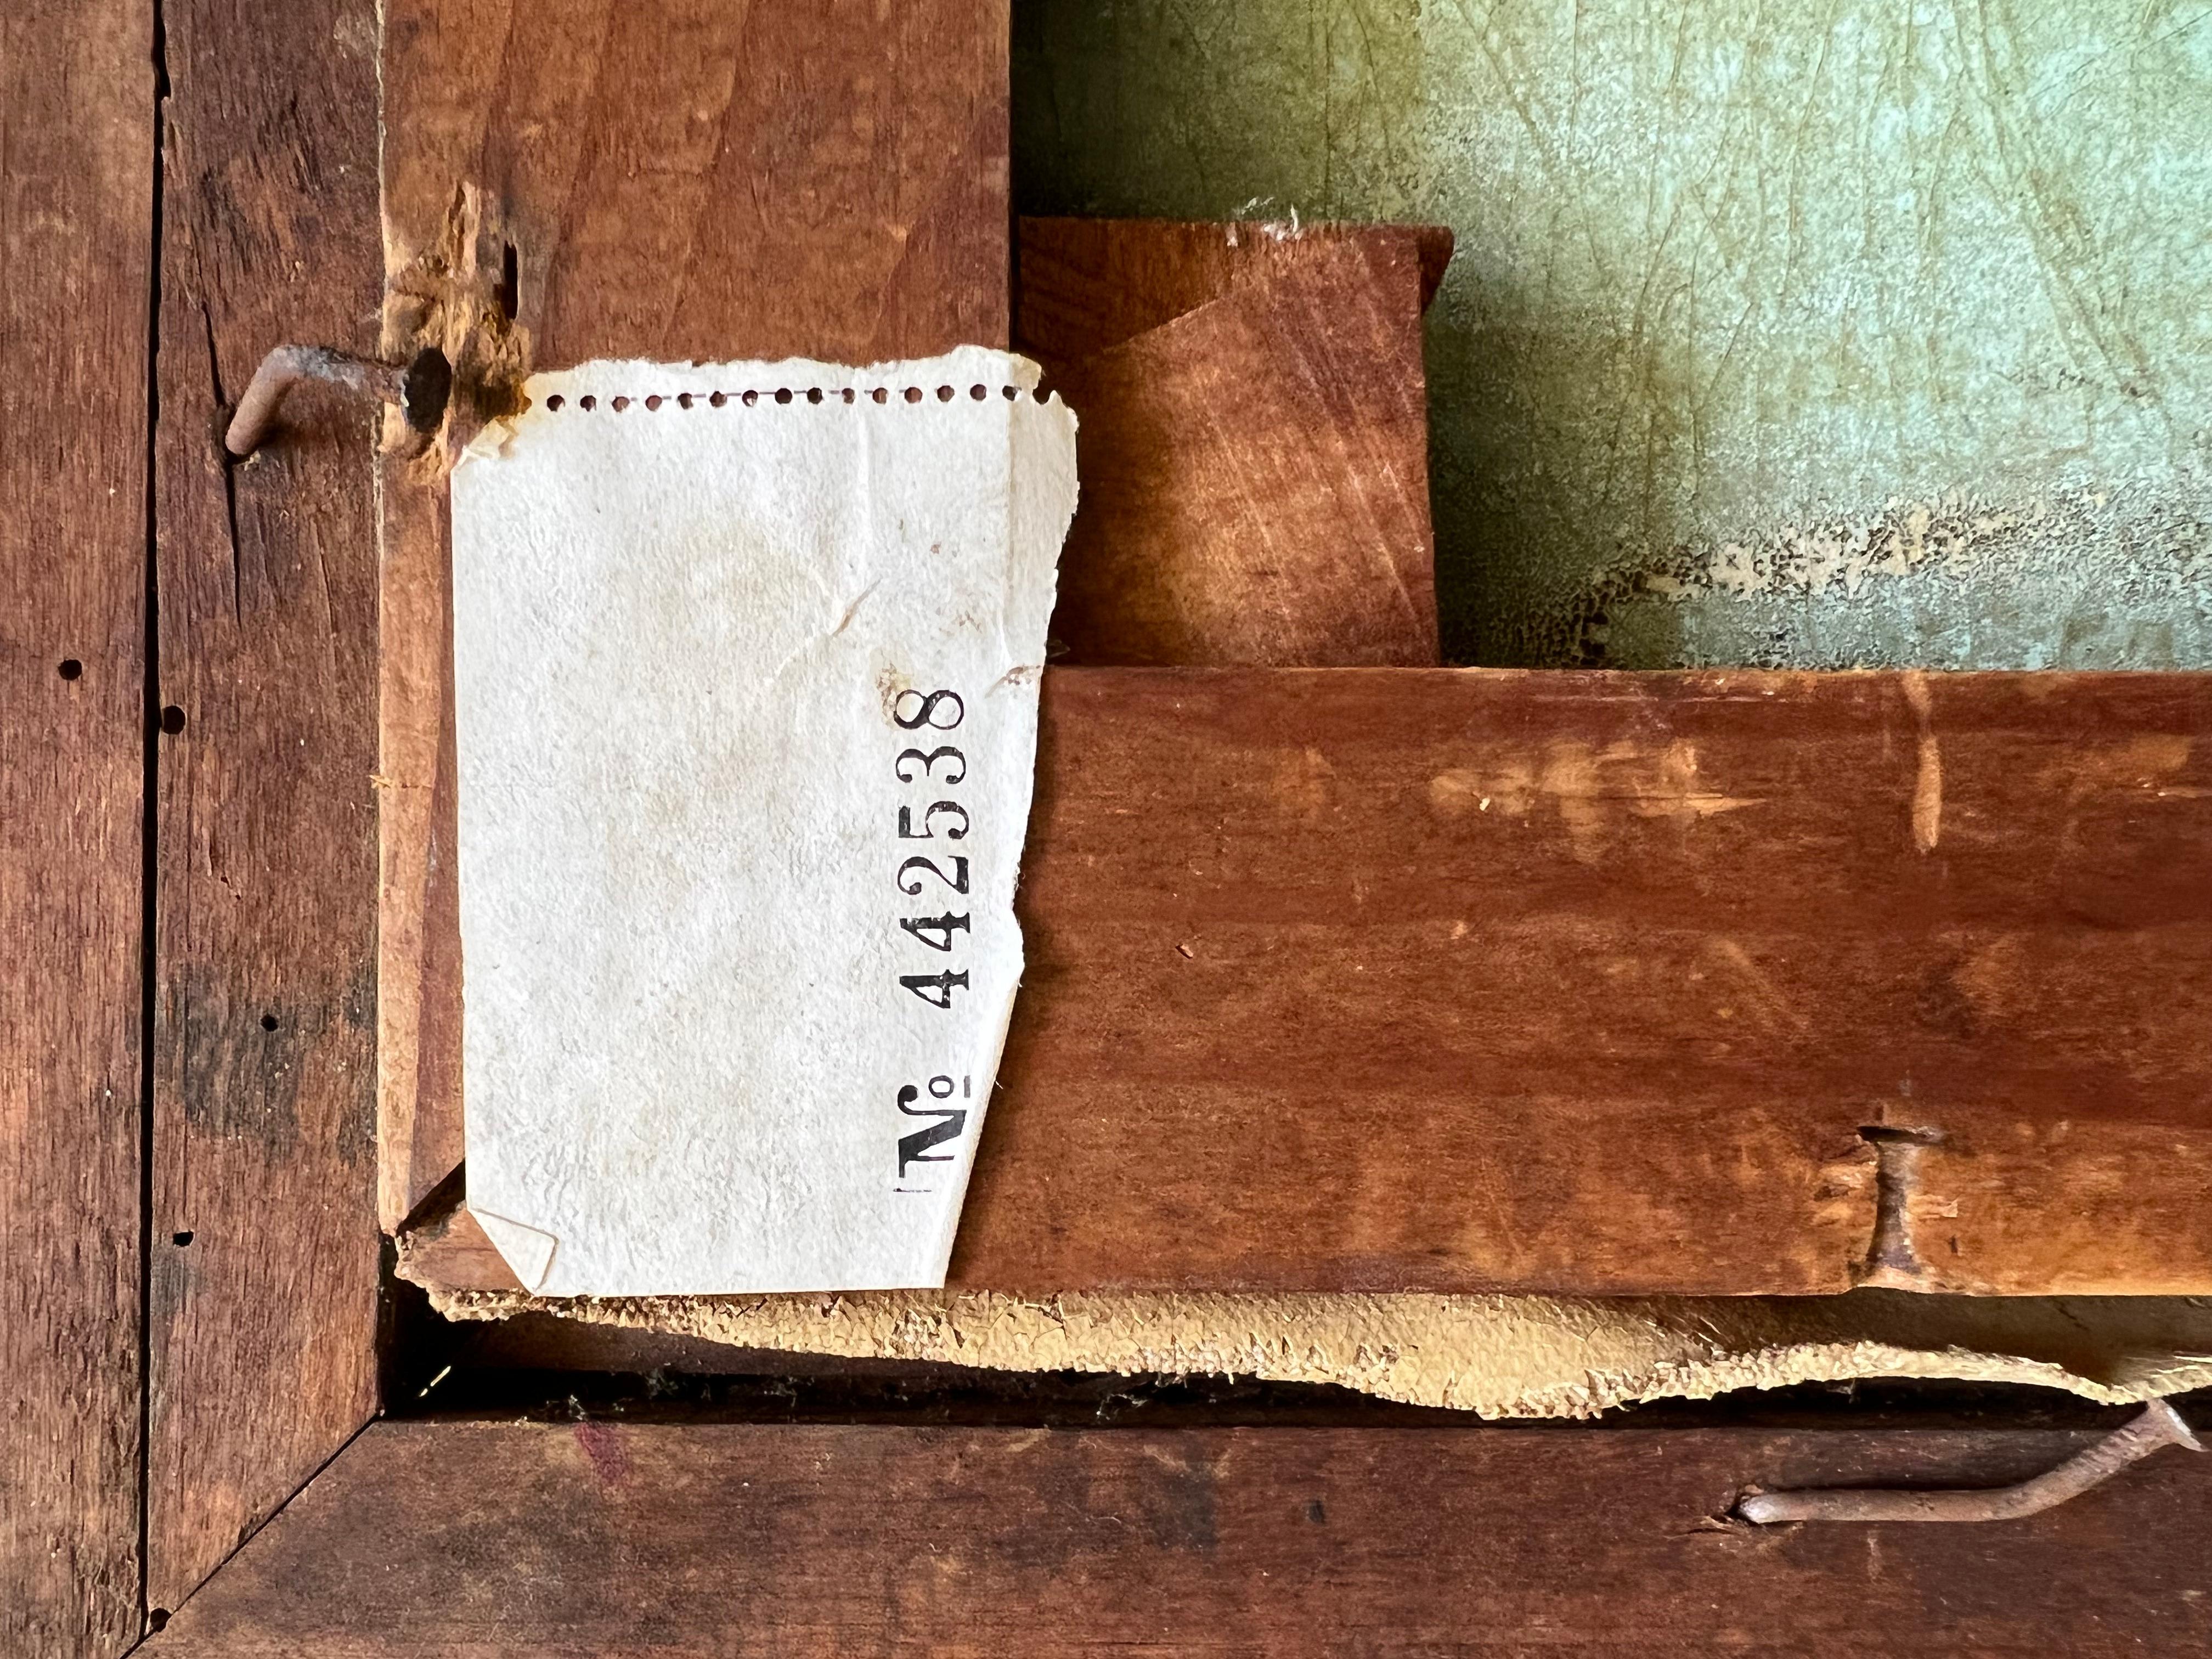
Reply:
x=264, y=1241
x=1468, y=979
x=617, y=1541
x=76, y=246
x=1085, y=285
x=1254, y=440
x=681, y=180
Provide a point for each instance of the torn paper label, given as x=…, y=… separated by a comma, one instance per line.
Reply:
x=745, y=671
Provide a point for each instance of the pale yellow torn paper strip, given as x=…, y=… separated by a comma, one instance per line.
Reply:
x=1498, y=1356
x=745, y=665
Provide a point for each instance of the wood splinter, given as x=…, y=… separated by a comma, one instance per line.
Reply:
x=2159, y=1426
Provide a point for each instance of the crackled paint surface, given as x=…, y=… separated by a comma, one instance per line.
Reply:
x=1855, y=333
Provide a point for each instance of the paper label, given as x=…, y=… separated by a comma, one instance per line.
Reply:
x=746, y=693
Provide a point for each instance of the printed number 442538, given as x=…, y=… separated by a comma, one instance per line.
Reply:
x=942, y=768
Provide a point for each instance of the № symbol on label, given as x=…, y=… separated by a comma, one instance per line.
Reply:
x=950, y=1121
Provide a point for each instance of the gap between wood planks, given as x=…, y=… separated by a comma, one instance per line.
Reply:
x=151, y=828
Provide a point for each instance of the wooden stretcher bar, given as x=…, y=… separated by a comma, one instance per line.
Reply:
x=1722, y=983
x=425, y=1539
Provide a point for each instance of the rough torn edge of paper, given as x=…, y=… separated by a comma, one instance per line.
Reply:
x=1496, y=1356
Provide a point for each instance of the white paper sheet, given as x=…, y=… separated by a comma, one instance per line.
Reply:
x=747, y=696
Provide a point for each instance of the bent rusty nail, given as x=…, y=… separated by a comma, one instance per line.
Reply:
x=420, y=388
x=2160, y=1425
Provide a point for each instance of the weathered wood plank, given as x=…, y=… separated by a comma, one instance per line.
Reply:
x=1254, y=439
x=76, y=235
x=1461, y=979
x=1458, y=980
x=646, y=1542
x=684, y=180
x=265, y=1247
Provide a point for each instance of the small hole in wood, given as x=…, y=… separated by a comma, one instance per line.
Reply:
x=510, y=283
x=751, y=399
x=653, y=402
x=158, y=1620
x=268, y=1022
x=683, y=400
x=814, y=394
x=71, y=668
x=944, y=394
x=848, y=394
x=718, y=398
x=1011, y=391
x=977, y=393
x=181, y=1239
x=621, y=404
x=783, y=394
x=554, y=401
x=589, y=402
x=173, y=719
x=881, y=394
x=913, y=394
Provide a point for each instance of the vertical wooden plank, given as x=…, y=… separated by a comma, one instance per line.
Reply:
x=76, y=100
x=680, y=179
x=262, y=1334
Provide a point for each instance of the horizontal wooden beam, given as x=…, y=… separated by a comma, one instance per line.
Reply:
x=650, y=1542
x=1722, y=983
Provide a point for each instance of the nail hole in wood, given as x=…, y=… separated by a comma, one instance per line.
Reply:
x=173, y=719
x=510, y=283
x=71, y=668
x=181, y=1239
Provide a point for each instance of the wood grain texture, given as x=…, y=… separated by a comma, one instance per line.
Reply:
x=646, y=1542
x=1254, y=439
x=1085, y=285
x=77, y=227
x=682, y=179
x=264, y=1241
x=1464, y=980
